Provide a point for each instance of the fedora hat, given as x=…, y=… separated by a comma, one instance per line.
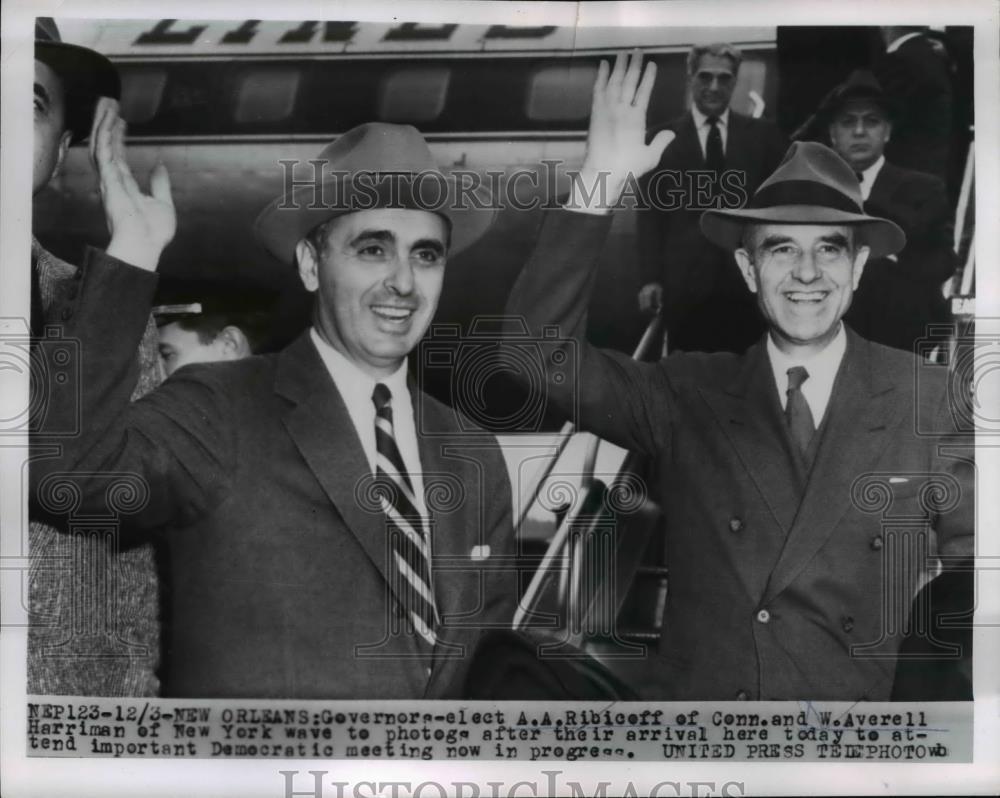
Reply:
x=85, y=74
x=861, y=84
x=812, y=185
x=376, y=165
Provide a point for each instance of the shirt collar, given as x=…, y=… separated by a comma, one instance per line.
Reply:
x=869, y=175
x=899, y=42
x=825, y=362
x=356, y=386
x=700, y=118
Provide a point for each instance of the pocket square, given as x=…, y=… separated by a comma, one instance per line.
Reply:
x=898, y=480
x=479, y=553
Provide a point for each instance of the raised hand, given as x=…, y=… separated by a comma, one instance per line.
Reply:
x=140, y=224
x=616, y=141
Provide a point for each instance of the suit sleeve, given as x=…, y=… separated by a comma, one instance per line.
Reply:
x=604, y=393
x=651, y=230
x=162, y=460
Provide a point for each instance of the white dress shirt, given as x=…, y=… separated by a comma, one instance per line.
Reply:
x=356, y=389
x=822, y=367
x=868, y=177
x=702, y=127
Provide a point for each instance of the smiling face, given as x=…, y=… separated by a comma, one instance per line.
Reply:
x=859, y=132
x=50, y=136
x=712, y=84
x=378, y=275
x=804, y=277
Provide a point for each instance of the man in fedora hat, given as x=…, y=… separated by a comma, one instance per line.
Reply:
x=333, y=532
x=117, y=652
x=901, y=293
x=779, y=468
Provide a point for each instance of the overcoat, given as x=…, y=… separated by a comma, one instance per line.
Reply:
x=254, y=474
x=784, y=583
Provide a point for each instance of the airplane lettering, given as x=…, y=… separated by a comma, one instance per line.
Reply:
x=511, y=32
x=332, y=32
x=415, y=32
x=243, y=34
x=161, y=34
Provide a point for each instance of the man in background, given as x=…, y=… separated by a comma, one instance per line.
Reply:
x=115, y=653
x=901, y=293
x=205, y=321
x=915, y=71
x=688, y=278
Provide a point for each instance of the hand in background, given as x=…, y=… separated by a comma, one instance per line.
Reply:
x=140, y=224
x=616, y=141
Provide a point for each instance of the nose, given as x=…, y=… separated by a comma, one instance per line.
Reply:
x=859, y=127
x=400, y=277
x=805, y=270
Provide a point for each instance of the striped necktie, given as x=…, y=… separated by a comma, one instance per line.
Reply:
x=797, y=412
x=410, y=569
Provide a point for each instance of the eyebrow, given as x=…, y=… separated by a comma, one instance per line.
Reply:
x=389, y=237
x=838, y=239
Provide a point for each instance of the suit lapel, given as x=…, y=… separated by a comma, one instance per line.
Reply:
x=749, y=412
x=322, y=429
x=884, y=187
x=862, y=411
x=454, y=590
x=686, y=148
x=737, y=141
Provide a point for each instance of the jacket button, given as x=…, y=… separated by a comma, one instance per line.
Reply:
x=736, y=524
x=763, y=616
x=847, y=623
x=742, y=695
x=876, y=543
x=66, y=314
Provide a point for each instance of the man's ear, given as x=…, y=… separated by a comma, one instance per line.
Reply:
x=234, y=343
x=64, y=140
x=308, y=262
x=745, y=262
x=860, y=259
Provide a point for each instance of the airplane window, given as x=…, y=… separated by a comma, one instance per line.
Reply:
x=142, y=90
x=414, y=94
x=267, y=94
x=561, y=93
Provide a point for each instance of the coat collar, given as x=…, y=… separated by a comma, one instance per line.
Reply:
x=806, y=508
x=320, y=426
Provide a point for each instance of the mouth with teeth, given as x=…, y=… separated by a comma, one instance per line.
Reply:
x=394, y=314
x=805, y=299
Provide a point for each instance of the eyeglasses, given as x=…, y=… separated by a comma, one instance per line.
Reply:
x=706, y=78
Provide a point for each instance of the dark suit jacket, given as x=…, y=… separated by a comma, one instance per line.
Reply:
x=898, y=297
x=918, y=78
x=782, y=584
x=706, y=304
x=277, y=553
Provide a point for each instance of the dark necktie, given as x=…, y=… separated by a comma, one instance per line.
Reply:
x=715, y=158
x=410, y=553
x=797, y=412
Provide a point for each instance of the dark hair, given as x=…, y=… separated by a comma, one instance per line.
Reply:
x=719, y=50
x=255, y=325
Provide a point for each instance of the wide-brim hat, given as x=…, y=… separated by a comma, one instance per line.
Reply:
x=86, y=75
x=376, y=165
x=861, y=84
x=812, y=185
